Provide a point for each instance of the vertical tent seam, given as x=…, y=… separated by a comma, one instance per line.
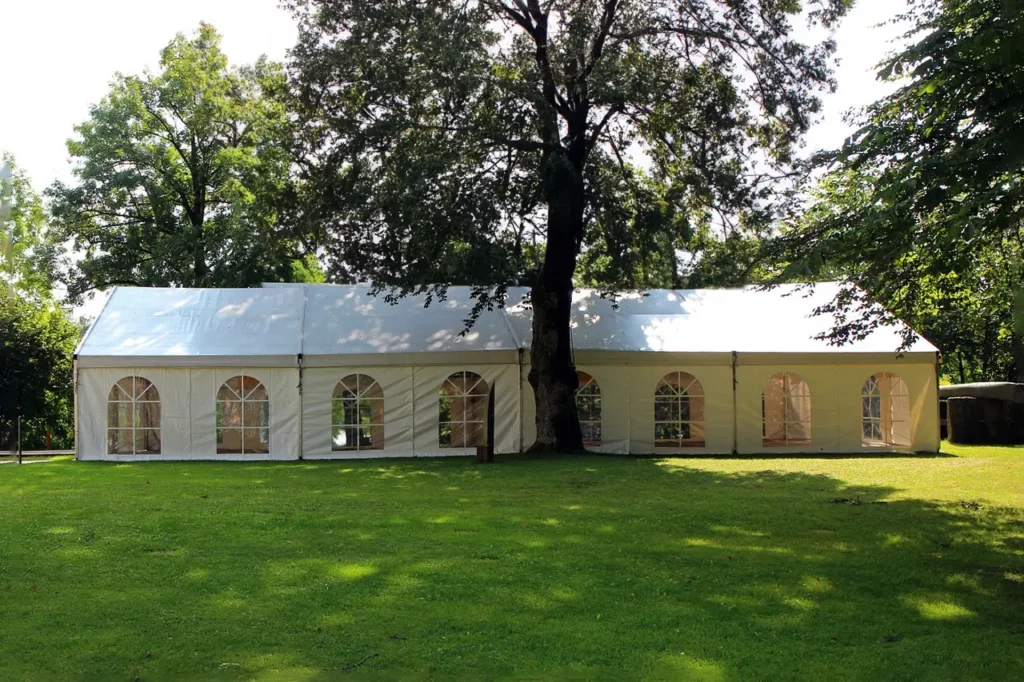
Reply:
x=839, y=401
x=412, y=385
x=74, y=397
x=519, y=374
x=191, y=421
x=299, y=364
x=629, y=411
x=735, y=417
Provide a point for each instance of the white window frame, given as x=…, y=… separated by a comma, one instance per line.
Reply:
x=888, y=418
x=465, y=393
x=360, y=395
x=684, y=390
x=242, y=400
x=589, y=393
x=134, y=401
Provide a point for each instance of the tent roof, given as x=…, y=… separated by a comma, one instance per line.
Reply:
x=185, y=326
x=347, y=320
x=272, y=325
x=746, y=320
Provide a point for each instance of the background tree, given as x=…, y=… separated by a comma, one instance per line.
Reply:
x=179, y=175
x=495, y=141
x=29, y=250
x=924, y=205
x=37, y=340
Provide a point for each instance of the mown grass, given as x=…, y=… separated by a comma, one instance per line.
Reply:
x=559, y=568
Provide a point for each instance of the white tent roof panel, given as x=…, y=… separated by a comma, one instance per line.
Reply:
x=347, y=320
x=746, y=320
x=272, y=325
x=178, y=326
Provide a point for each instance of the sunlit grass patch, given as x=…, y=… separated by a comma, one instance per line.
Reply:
x=591, y=568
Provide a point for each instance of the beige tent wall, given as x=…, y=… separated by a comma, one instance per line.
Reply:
x=187, y=411
x=318, y=386
x=717, y=384
x=836, y=404
x=627, y=407
x=94, y=386
x=627, y=404
x=411, y=409
x=188, y=416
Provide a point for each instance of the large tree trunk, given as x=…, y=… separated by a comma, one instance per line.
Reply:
x=552, y=371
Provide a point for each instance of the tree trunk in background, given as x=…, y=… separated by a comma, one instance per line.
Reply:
x=1017, y=354
x=552, y=371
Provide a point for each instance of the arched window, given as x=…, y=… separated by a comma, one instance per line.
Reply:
x=885, y=411
x=588, y=407
x=243, y=417
x=463, y=411
x=786, y=411
x=133, y=418
x=357, y=414
x=679, y=412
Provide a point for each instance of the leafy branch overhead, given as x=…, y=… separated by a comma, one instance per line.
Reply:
x=436, y=128
x=924, y=204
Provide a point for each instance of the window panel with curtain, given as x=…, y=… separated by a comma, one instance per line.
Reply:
x=243, y=417
x=462, y=411
x=885, y=411
x=357, y=414
x=679, y=412
x=786, y=411
x=133, y=418
x=588, y=407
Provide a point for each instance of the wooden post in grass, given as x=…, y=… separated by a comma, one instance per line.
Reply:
x=19, y=439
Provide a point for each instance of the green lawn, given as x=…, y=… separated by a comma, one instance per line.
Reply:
x=569, y=568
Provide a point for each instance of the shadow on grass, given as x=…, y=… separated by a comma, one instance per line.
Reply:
x=534, y=568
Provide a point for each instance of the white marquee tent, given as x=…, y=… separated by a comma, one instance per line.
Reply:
x=323, y=371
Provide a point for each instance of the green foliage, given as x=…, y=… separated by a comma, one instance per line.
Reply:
x=492, y=142
x=591, y=568
x=30, y=250
x=456, y=142
x=181, y=175
x=37, y=340
x=924, y=205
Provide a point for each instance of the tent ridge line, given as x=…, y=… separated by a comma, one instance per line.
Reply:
x=508, y=325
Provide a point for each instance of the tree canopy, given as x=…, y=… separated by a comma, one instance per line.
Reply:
x=37, y=341
x=180, y=177
x=923, y=207
x=499, y=141
x=29, y=250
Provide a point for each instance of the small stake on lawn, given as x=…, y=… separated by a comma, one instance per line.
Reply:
x=19, y=439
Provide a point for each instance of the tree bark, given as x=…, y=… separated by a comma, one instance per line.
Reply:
x=201, y=269
x=1017, y=357
x=552, y=370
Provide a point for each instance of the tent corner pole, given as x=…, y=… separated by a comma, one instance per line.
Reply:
x=74, y=404
x=519, y=360
x=301, y=400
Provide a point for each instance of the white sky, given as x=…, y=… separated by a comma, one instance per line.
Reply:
x=59, y=57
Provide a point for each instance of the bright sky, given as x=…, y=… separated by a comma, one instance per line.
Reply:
x=59, y=57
